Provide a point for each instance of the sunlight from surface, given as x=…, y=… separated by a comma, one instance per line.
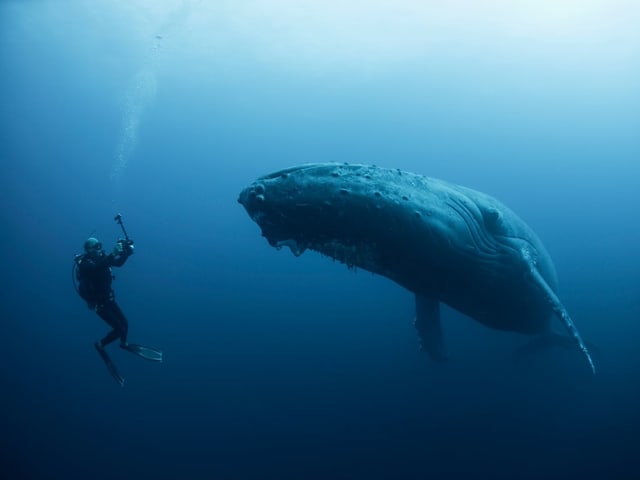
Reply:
x=320, y=35
x=375, y=33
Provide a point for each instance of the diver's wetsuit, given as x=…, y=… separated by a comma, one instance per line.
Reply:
x=94, y=286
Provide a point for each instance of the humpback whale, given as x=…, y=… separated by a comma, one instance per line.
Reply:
x=444, y=242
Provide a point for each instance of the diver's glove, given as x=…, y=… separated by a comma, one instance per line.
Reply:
x=128, y=247
x=124, y=247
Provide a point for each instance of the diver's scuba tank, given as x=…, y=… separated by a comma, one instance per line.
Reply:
x=75, y=272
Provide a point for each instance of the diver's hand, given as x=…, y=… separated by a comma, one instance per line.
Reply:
x=124, y=247
x=128, y=246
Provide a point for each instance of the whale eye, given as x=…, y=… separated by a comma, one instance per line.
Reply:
x=259, y=189
x=493, y=220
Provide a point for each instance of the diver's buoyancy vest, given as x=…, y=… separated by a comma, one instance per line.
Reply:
x=89, y=288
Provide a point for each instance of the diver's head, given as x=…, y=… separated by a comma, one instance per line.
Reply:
x=92, y=246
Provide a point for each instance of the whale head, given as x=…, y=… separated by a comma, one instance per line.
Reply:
x=285, y=207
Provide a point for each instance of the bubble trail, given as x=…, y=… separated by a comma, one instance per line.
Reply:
x=140, y=95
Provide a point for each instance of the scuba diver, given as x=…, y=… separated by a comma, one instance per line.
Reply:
x=92, y=272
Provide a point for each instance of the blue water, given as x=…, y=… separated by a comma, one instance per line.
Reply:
x=282, y=367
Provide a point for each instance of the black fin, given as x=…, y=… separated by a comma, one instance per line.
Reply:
x=147, y=353
x=110, y=366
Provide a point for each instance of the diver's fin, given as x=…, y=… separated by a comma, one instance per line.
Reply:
x=562, y=313
x=429, y=328
x=110, y=366
x=149, y=353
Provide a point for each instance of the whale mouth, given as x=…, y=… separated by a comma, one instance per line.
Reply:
x=276, y=234
x=297, y=248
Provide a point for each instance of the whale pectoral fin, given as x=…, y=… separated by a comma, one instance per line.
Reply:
x=562, y=314
x=429, y=327
x=549, y=341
